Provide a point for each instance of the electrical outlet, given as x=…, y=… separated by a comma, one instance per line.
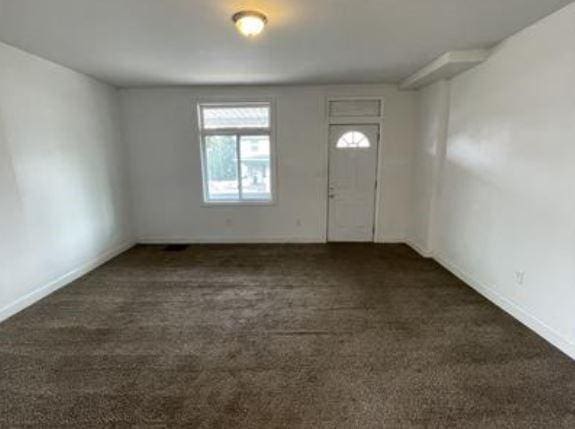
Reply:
x=519, y=277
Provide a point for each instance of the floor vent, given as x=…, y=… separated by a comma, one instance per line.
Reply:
x=176, y=247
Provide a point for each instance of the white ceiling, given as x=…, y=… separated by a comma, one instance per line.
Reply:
x=171, y=42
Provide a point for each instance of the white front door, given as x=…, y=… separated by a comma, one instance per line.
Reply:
x=352, y=179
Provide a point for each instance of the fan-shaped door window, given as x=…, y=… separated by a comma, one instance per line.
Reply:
x=353, y=140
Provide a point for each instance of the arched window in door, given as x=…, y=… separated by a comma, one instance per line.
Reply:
x=353, y=140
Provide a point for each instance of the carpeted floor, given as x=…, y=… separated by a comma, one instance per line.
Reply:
x=265, y=336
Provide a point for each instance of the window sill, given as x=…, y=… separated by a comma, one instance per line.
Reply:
x=212, y=204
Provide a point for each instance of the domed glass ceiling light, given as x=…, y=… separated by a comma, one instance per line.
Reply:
x=250, y=23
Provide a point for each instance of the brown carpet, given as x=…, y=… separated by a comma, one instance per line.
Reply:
x=271, y=336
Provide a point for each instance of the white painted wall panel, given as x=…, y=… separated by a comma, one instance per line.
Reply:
x=428, y=154
x=505, y=198
x=63, y=183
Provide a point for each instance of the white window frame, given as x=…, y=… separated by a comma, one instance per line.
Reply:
x=238, y=132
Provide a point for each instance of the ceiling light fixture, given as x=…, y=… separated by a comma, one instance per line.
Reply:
x=250, y=23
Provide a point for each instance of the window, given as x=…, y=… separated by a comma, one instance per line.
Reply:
x=236, y=152
x=352, y=140
x=359, y=107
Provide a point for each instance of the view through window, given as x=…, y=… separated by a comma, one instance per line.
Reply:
x=236, y=152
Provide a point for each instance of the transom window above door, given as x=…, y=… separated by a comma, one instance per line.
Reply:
x=237, y=152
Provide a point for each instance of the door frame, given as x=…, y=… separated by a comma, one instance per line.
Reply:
x=375, y=188
x=356, y=120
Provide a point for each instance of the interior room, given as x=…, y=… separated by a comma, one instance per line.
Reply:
x=287, y=213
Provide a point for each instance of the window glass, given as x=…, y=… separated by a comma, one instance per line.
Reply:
x=222, y=168
x=236, y=117
x=352, y=139
x=256, y=171
x=342, y=108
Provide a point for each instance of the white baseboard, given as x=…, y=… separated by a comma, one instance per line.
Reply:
x=250, y=240
x=229, y=240
x=55, y=284
x=532, y=322
x=419, y=249
x=519, y=313
x=390, y=240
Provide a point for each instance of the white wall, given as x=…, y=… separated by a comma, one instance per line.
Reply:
x=63, y=205
x=162, y=134
x=428, y=155
x=505, y=199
